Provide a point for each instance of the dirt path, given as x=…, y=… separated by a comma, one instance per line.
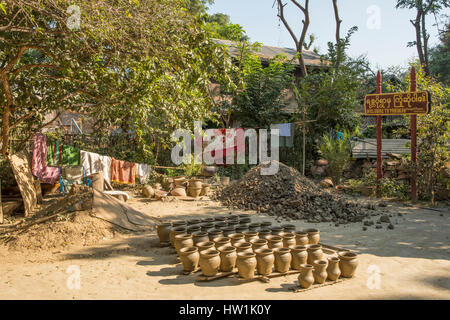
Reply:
x=410, y=262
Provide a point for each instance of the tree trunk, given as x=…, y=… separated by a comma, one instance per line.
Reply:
x=6, y=114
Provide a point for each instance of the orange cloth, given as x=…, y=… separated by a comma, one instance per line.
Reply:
x=123, y=171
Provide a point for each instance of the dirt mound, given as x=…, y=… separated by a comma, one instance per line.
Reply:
x=289, y=194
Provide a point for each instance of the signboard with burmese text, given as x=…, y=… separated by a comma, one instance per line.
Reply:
x=401, y=103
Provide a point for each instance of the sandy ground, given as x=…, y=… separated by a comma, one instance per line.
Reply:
x=410, y=262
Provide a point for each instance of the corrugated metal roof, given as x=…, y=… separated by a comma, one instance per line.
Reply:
x=267, y=52
x=368, y=148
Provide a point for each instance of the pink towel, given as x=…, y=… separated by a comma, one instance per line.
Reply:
x=40, y=169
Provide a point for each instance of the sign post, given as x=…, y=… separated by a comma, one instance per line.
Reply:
x=413, y=88
x=379, y=140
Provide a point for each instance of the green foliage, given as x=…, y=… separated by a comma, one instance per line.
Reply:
x=337, y=152
x=220, y=27
x=440, y=59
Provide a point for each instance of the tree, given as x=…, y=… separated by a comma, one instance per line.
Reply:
x=440, y=58
x=423, y=8
x=220, y=27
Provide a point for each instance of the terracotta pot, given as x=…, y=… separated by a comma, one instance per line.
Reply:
x=200, y=236
x=277, y=231
x=179, y=223
x=246, y=264
x=259, y=244
x=179, y=181
x=348, y=263
x=299, y=257
x=282, y=259
x=228, y=230
x=255, y=226
x=178, y=192
x=209, y=171
x=202, y=246
x=214, y=234
x=207, y=226
x=275, y=242
x=243, y=247
x=266, y=224
x=306, y=278
x=288, y=228
x=333, y=269
x=236, y=238
x=289, y=240
x=191, y=222
x=222, y=241
x=301, y=238
x=233, y=223
x=228, y=256
x=242, y=228
x=189, y=257
x=245, y=220
x=194, y=192
x=209, y=262
x=220, y=225
x=163, y=230
x=314, y=252
x=264, y=234
x=313, y=236
x=320, y=271
x=183, y=241
x=250, y=236
x=195, y=184
x=220, y=218
x=193, y=229
x=174, y=232
x=205, y=189
x=208, y=220
x=265, y=260
x=233, y=217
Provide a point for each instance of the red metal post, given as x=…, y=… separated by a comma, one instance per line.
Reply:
x=379, y=141
x=413, y=88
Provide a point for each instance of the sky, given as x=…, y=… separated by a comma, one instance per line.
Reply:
x=383, y=30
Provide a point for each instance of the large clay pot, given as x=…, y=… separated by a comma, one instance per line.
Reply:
x=191, y=222
x=245, y=220
x=242, y=228
x=265, y=224
x=348, y=263
x=220, y=218
x=178, y=192
x=264, y=234
x=174, y=232
x=179, y=181
x=246, y=264
x=207, y=226
x=306, y=278
x=189, y=258
x=320, y=271
x=255, y=226
x=333, y=269
x=228, y=256
x=282, y=259
x=209, y=262
x=236, y=238
x=314, y=252
x=277, y=231
x=299, y=257
x=275, y=242
x=228, y=230
x=233, y=223
x=148, y=192
x=205, y=189
x=301, y=238
x=222, y=241
x=233, y=217
x=259, y=244
x=200, y=236
x=196, y=184
x=250, y=236
x=202, y=246
x=243, y=247
x=194, y=192
x=193, y=229
x=288, y=240
x=213, y=234
x=163, y=230
x=183, y=241
x=208, y=220
x=288, y=228
x=265, y=260
x=220, y=225
x=313, y=236
x=179, y=223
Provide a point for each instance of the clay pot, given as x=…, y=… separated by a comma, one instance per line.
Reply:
x=265, y=260
x=288, y=228
x=241, y=228
x=243, y=247
x=289, y=240
x=174, y=232
x=191, y=222
x=301, y=238
x=333, y=269
x=178, y=192
x=313, y=236
x=183, y=241
x=314, y=252
x=194, y=192
x=209, y=262
x=236, y=238
x=179, y=181
x=179, y=223
x=348, y=263
x=255, y=226
x=245, y=220
x=189, y=257
x=283, y=259
x=200, y=236
x=233, y=217
x=214, y=234
x=228, y=230
x=320, y=271
x=196, y=184
x=163, y=230
x=209, y=171
x=250, y=236
x=202, y=246
x=264, y=234
x=205, y=189
x=206, y=226
x=222, y=241
x=266, y=224
x=208, y=220
x=228, y=256
x=306, y=278
x=193, y=229
x=299, y=257
x=233, y=223
x=220, y=225
x=225, y=181
x=220, y=218
x=148, y=192
x=259, y=244
x=277, y=231
x=246, y=264
x=275, y=242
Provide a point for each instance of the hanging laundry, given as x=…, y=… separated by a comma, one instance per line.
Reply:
x=143, y=172
x=94, y=162
x=285, y=129
x=46, y=174
x=123, y=171
x=59, y=154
